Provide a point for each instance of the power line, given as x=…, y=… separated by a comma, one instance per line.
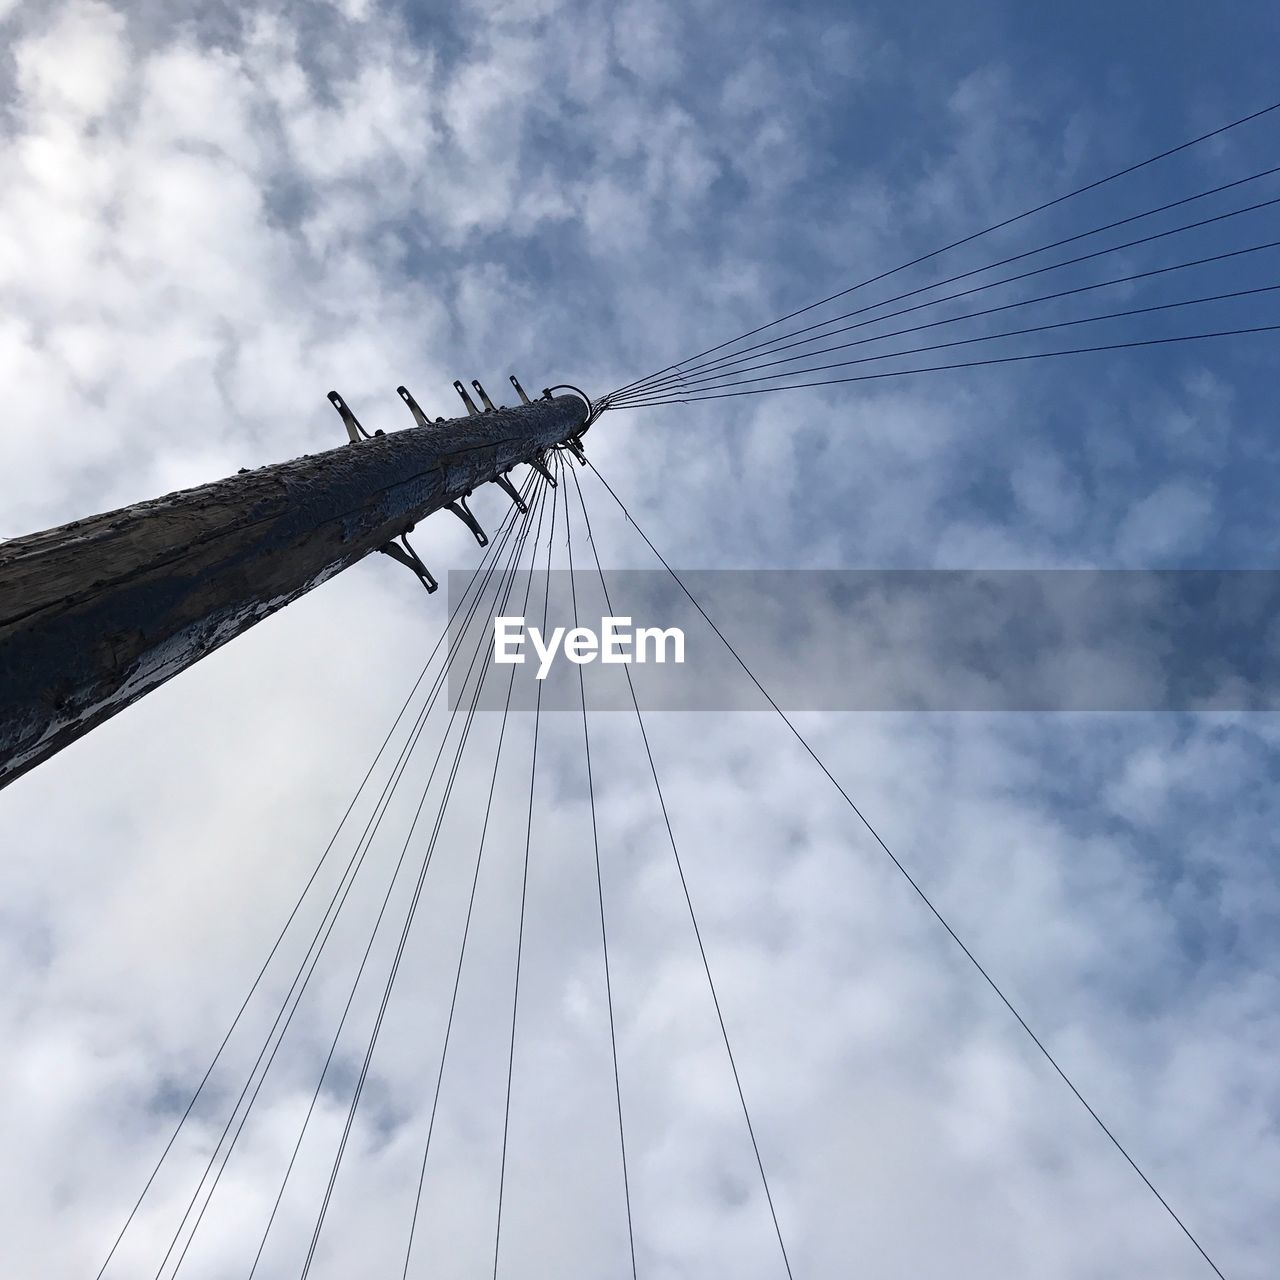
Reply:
x=461, y=633
x=524, y=897
x=321, y=937
x=906, y=875
x=462, y=951
x=1021, y=275
x=408, y=923
x=297, y=906
x=772, y=344
x=371, y=832
x=963, y=342
x=697, y=932
x=968, y=315
x=962, y=364
x=995, y=226
x=604, y=933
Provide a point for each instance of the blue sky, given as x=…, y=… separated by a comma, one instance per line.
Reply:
x=214, y=214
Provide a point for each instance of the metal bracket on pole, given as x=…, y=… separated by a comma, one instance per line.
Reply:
x=466, y=399
x=510, y=490
x=463, y=512
x=484, y=396
x=541, y=468
x=575, y=447
x=515, y=382
x=418, y=416
x=408, y=557
x=354, y=430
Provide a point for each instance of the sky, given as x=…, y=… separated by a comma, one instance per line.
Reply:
x=212, y=214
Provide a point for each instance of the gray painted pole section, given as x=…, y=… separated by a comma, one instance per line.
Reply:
x=98, y=612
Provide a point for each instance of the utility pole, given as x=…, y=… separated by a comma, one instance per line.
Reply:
x=96, y=613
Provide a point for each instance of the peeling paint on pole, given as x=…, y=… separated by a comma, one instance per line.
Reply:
x=98, y=612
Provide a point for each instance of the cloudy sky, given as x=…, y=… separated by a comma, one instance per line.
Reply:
x=212, y=214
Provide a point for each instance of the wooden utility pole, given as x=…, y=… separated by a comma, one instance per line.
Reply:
x=98, y=612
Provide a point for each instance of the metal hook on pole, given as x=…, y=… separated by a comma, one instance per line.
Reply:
x=484, y=396
x=460, y=509
x=408, y=557
x=512, y=492
x=355, y=431
x=541, y=468
x=418, y=416
x=466, y=399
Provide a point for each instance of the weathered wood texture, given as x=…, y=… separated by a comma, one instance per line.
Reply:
x=98, y=612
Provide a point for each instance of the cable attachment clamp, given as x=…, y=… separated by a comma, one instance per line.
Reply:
x=355, y=431
x=404, y=554
x=510, y=490
x=466, y=399
x=541, y=468
x=419, y=417
x=463, y=512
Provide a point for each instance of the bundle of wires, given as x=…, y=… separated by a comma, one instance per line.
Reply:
x=1218, y=253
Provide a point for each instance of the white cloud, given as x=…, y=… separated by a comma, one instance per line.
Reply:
x=75, y=69
x=198, y=238
x=1174, y=517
